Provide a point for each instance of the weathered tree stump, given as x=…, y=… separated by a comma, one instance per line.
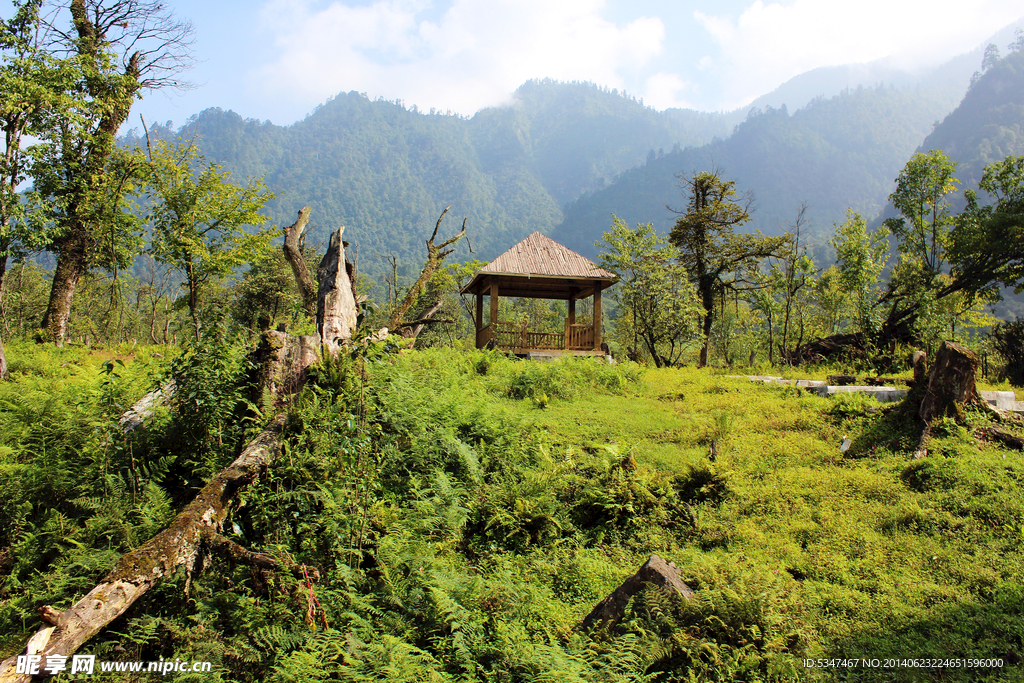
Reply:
x=950, y=387
x=336, y=308
x=950, y=383
x=655, y=572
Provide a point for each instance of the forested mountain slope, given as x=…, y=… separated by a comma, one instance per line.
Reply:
x=988, y=125
x=386, y=171
x=835, y=153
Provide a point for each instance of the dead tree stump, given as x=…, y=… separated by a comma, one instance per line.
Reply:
x=336, y=309
x=950, y=387
x=950, y=383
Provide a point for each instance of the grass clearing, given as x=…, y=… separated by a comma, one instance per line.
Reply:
x=467, y=511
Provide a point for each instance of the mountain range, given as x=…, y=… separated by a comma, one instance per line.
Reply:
x=563, y=157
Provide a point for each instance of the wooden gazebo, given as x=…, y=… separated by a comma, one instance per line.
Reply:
x=539, y=268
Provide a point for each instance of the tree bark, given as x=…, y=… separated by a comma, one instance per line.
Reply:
x=177, y=546
x=950, y=383
x=412, y=329
x=336, y=310
x=143, y=409
x=72, y=258
x=293, y=254
x=950, y=387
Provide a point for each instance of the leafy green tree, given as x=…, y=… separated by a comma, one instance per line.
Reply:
x=119, y=48
x=1008, y=340
x=654, y=290
x=199, y=219
x=832, y=301
x=987, y=247
x=982, y=246
x=31, y=83
x=860, y=258
x=922, y=198
x=715, y=258
x=922, y=232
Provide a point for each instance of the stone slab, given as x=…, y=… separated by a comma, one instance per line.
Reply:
x=1004, y=400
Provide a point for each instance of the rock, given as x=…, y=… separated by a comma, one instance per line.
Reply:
x=655, y=572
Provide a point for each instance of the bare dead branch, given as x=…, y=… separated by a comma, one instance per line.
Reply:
x=435, y=257
x=293, y=254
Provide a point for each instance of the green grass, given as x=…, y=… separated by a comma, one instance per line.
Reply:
x=466, y=511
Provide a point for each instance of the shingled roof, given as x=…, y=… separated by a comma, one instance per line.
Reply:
x=541, y=256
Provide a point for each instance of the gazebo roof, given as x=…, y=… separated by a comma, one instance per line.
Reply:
x=543, y=259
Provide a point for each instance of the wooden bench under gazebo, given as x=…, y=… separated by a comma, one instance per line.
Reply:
x=539, y=268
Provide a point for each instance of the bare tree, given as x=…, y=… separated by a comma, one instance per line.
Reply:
x=436, y=254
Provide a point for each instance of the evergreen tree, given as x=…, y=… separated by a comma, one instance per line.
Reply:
x=714, y=256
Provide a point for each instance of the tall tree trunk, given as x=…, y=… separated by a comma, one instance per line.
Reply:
x=706, y=287
x=72, y=259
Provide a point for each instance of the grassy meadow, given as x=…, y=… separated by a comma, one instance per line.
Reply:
x=464, y=512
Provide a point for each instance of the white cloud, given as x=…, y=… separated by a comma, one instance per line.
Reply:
x=477, y=53
x=664, y=90
x=770, y=43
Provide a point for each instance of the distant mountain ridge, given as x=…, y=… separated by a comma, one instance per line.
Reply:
x=563, y=156
x=386, y=172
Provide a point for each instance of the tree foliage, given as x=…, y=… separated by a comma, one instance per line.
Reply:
x=716, y=259
x=654, y=291
x=199, y=219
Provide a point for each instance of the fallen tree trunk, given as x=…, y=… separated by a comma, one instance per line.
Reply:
x=143, y=409
x=177, y=546
x=283, y=362
x=1003, y=437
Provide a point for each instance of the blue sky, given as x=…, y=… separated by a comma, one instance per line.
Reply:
x=277, y=59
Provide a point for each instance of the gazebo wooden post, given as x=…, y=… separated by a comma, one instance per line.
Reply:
x=494, y=306
x=567, y=338
x=479, y=311
x=597, y=315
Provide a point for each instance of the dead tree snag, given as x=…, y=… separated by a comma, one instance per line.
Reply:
x=336, y=309
x=293, y=254
x=436, y=254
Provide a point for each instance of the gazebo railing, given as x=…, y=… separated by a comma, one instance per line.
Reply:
x=579, y=337
x=512, y=336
